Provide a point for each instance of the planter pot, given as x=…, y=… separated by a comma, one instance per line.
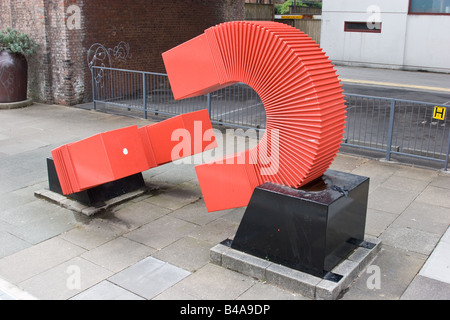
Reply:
x=13, y=77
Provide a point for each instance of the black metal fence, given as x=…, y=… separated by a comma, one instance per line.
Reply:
x=395, y=127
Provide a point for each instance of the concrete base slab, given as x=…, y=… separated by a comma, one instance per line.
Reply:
x=293, y=280
x=73, y=205
x=16, y=105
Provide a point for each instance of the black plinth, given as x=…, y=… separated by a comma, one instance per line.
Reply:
x=310, y=229
x=97, y=196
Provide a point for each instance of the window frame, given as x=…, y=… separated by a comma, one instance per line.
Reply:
x=426, y=13
x=375, y=30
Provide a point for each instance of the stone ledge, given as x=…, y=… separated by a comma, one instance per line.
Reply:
x=16, y=105
x=76, y=206
x=293, y=280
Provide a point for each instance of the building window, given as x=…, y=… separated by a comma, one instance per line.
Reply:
x=353, y=26
x=429, y=7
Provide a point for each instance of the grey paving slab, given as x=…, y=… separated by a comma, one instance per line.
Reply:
x=410, y=239
x=19, y=145
x=446, y=237
x=400, y=182
x=424, y=288
x=416, y=173
x=175, y=198
x=5, y=297
x=397, y=268
x=137, y=214
x=175, y=293
x=36, y=259
x=29, y=213
x=438, y=264
x=149, y=277
x=11, y=244
x=424, y=216
x=106, y=290
x=196, y=213
x=187, y=253
x=162, y=232
x=441, y=181
x=212, y=282
x=12, y=200
x=233, y=216
x=91, y=236
x=377, y=172
x=216, y=231
x=347, y=163
x=8, y=291
x=390, y=200
x=118, y=254
x=177, y=174
x=435, y=195
x=264, y=291
x=65, y=280
x=46, y=227
x=377, y=221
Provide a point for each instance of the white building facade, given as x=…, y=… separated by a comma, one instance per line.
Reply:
x=395, y=34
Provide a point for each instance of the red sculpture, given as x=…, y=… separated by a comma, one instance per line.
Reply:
x=117, y=154
x=299, y=88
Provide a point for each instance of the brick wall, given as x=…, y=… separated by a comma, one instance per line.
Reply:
x=30, y=19
x=59, y=72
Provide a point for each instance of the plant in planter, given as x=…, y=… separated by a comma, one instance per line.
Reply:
x=14, y=47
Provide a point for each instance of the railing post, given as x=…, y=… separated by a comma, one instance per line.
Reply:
x=391, y=130
x=448, y=152
x=208, y=100
x=144, y=93
x=93, y=87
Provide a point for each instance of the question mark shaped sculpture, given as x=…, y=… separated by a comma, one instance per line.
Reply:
x=299, y=88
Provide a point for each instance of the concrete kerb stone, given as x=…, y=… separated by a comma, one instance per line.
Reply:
x=293, y=280
x=16, y=105
x=76, y=206
x=245, y=264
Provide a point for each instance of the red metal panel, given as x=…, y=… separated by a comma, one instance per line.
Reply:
x=196, y=51
x=120, y=153
x=163, y=139
x=160, y=136
x=102, y=158
x=300, y=91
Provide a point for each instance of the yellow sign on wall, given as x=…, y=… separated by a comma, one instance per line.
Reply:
x=439, y=113
x=292, y=17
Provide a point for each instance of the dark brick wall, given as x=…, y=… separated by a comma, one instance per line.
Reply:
x=59, y=72
x=151, y=27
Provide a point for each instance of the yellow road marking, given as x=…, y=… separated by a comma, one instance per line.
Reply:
x=399, y=85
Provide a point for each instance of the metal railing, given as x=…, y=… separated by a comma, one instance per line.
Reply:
x=397, y=127
x=141, y=93
x=391, y=126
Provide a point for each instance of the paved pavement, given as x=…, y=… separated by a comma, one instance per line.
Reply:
x=157, y=246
